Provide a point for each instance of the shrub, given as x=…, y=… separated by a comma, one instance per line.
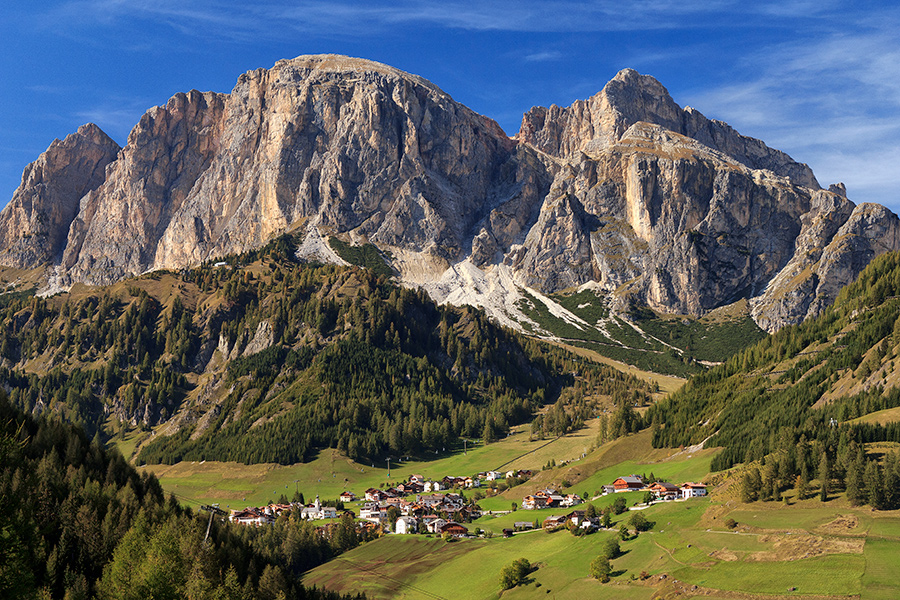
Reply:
x=514, y=573
x=601, y=569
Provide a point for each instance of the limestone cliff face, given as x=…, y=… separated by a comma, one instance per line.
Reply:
x=683, y=227
x=836, y=243
x=119, y=224
x=33, y=225
x=655, y=202
x=594, y=124
x=356, y=146
x=685, y=214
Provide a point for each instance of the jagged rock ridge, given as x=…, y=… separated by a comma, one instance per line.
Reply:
x=656, y=203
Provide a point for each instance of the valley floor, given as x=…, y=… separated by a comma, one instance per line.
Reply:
x=807, y=549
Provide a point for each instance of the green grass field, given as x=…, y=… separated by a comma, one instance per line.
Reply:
x=881, y=417
x=776, y=557
x=235, y=484
x=802, y=549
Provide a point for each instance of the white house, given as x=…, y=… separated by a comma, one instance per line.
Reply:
x=692, y=490
x=371, y=511
x=570, y=500
x=434, y=525
x=316, y=511
x=251, y=516
x=493, y=475
x=433, y=486
x=406, y=525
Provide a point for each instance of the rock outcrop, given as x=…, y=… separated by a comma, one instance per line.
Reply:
x=654, y=202
x=34, y=224
x=354, y=145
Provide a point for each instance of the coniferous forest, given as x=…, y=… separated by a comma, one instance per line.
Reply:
x=79, y=522
x=789, y=404
x=258, y=358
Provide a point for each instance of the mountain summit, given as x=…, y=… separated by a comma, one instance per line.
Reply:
x=653, y=203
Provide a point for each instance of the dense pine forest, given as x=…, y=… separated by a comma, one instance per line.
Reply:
x=258, y=358
x=789, y=404
x=79, y=522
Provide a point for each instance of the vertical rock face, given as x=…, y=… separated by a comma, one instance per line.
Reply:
x=686, y=214
x=655, y=202
x=592, y=125
x=355, y=145
x=120, y=223
x=33, y=225
x=836, y=243
x=679, y=225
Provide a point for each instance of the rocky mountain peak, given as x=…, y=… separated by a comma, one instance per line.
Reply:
x=326, y=64
x=596, y=123
x=633, y=97
x=34, y=224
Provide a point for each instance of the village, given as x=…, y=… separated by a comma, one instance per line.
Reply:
x=423, y=506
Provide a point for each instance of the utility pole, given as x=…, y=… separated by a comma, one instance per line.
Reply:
x=213, y=510
x=389, y=468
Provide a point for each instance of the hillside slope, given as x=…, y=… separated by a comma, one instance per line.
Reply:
x=260, y=358
x=792, y=400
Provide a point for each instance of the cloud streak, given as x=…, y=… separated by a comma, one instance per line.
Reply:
x=321, y=17
x=831, y=100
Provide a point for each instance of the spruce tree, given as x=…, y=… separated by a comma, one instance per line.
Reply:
x=824, y=476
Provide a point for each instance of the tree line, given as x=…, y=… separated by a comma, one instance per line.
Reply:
x=347, y=360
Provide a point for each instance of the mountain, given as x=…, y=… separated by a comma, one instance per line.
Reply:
x=649, y=203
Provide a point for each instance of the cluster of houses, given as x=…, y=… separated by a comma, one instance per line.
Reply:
x=266, y=515
x=550, y=498
x=578, y=518
x=662, y=490
x=419, y=509
x=262, y=515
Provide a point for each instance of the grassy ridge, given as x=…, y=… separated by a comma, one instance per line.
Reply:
x=330, y=473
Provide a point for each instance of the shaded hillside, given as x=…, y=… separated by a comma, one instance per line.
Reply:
x=259, y=358
x=79, y=522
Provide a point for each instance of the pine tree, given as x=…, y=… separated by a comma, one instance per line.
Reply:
x=855, y=480
x=824, y=476
x=874, y=483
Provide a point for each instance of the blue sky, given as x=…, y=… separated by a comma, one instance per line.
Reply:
x=817, y=79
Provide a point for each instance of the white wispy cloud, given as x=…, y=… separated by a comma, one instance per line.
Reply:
x=324, y=17
x=546, y=56
x=115, y=117
x=831, y=100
